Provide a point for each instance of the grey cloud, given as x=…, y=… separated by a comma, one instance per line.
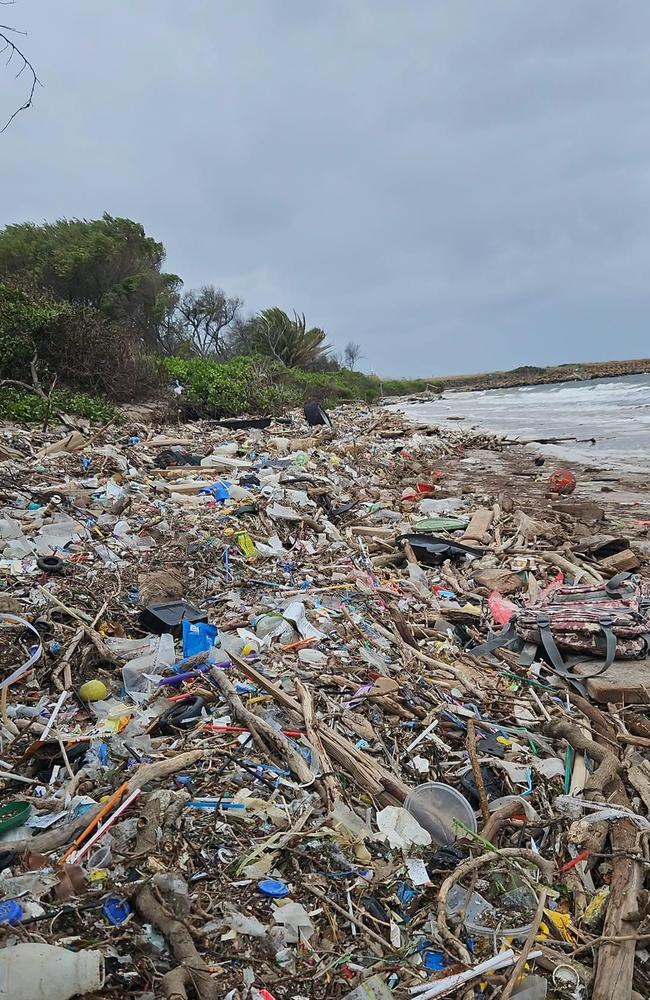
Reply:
x=456, y=185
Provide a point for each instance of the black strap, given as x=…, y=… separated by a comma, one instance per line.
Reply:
x=566, y=670
x=528, y=654
x=496, y=641
x=613, y=586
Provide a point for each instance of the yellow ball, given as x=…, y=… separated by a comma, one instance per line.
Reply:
x=93, y=691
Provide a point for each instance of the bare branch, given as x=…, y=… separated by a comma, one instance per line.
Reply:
x=25, y=65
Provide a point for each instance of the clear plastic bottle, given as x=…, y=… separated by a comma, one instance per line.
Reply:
x=33, y=971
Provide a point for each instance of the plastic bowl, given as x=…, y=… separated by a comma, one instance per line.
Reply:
x=435, y=806
x=476, y=908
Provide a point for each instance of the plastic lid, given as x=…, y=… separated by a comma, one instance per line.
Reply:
x=116, y=910
x=436, y=806
x=11, y=912
x=273, y=887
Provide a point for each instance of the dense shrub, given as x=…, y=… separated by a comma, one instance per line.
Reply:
x=27, y=408
x=226, y=389
x=261, y=385
x=86, y=351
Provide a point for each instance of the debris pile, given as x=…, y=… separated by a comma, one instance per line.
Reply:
x=298, y=711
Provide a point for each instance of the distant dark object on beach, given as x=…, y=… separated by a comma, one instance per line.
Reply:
x=315, y=415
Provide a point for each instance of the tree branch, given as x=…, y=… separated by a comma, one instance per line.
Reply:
x=25, y=66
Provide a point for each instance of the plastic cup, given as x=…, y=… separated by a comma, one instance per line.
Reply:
x=435, y=806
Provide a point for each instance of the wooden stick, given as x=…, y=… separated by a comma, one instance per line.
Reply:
x=332, y=790
x=528, y=944
x=362, y=768
x=273, y=737
x=476, y=770
x=348, y=916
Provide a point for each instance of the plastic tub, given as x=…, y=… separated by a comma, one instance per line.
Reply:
x=477, y=908
x=435, y=806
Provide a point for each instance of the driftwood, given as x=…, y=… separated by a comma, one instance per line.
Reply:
x=160, y=811
x=609, y=765
x=479, y=526
x=365, y=771
x=275, y=739
x=53, y=839
x=615, y=969
x=166, y=917
x=614, y=973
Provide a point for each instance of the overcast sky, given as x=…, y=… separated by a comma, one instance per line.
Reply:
x=458, y=185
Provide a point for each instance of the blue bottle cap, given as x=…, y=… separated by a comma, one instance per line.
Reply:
x=11, y=912
x=273, y=887
x=116, y=910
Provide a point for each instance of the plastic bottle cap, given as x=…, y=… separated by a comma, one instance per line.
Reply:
x=116, y=910
x=273, y=887
x=11, y=912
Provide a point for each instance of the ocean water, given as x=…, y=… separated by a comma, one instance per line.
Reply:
x=614, y=411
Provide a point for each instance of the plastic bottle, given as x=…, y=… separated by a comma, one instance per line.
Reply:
x=45, y=972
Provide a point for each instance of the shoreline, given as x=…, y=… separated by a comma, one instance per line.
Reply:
x=508, y=464
x=530, y=375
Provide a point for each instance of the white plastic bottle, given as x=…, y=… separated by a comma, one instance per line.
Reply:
x=45, y=972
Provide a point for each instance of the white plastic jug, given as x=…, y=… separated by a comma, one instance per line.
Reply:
x=45, y=972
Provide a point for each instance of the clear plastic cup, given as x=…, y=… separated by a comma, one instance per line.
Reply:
x=435, y=806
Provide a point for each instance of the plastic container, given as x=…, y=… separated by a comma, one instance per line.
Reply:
x=477, y=908
x=435, y=806
x=45, y=972
x=116, y=910
x=168, y=616
x=531, y=988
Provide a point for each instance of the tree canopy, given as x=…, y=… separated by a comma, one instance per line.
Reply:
x=108, y=263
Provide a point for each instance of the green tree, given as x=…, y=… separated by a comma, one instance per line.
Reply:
x=109, y=264
x=288, y=340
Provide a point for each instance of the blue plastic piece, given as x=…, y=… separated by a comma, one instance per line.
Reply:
x=198, y=637
x=405, y=893
x=11, y=912
x=220, y=491
x=433, y=960
x=273, y=887
x=116, y=910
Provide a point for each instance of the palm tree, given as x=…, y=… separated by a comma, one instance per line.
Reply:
x=287, y=340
